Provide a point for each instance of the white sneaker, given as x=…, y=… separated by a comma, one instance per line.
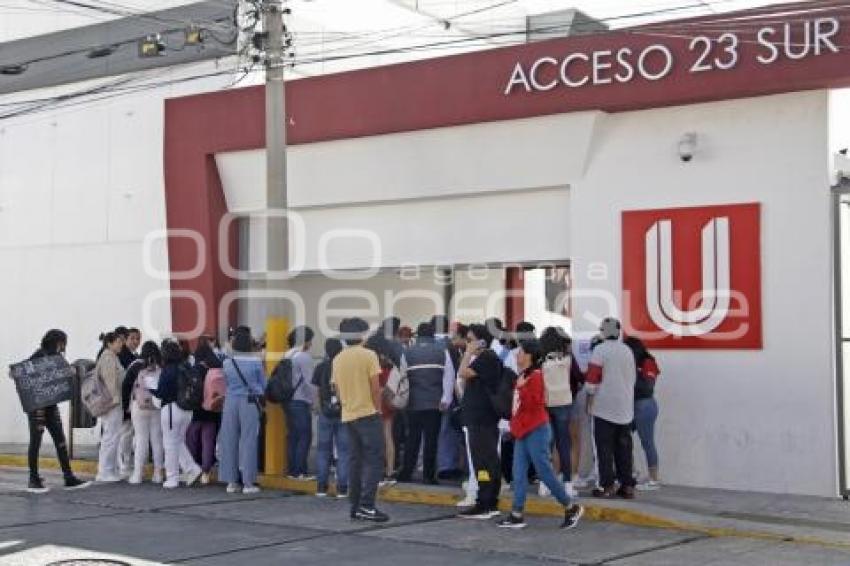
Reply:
x=570, y=489
x=134, y=480
x=649, y=485
x=171, y=485
x=234, y=488
x=107, y=479
x=543, y=491
x=192, y=477
x=321, y=494
x=467, y=501
x=157, y=476
x=251, y=489
x=205, y=479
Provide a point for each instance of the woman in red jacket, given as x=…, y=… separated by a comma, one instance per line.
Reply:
x=533, y=437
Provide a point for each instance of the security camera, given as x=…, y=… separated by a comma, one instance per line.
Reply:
x=687, y=147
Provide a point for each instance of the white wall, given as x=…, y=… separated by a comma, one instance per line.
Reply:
x=79, y=190
x=755, y=420
x=415, y=193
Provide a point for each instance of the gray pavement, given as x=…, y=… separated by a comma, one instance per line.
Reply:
x=145, y=525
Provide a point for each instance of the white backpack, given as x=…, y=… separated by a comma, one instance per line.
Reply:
x=141, y=392
x=397, y=389
x=556, y=380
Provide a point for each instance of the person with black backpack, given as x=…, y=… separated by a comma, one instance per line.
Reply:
x=176, y=382
x=332, y=434
x=482, y=373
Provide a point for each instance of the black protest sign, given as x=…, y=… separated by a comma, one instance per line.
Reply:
x=42, y=382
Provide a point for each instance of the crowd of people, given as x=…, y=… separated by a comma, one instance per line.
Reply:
x=475, y=404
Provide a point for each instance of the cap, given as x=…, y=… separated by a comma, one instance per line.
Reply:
x=610, y=328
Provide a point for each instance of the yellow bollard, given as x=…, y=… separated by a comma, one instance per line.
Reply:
x=275, y=464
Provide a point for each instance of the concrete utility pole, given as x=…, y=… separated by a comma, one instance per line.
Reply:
x=276, y=233
x=277, y=243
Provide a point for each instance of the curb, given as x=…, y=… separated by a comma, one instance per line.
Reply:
x=534, y=506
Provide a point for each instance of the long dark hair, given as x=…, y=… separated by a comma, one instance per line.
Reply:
x=108, y=338
x=531, y=347
x=554, y=340
x=151, y=355
x=204, y=354
x=52, y=340
x=172, y=353
x=639, y=350
x=242, y=341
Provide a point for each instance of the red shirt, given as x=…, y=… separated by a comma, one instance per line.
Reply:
x=529, y=410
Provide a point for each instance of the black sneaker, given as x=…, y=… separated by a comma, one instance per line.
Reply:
x=75, y=483
x=512, y=521
x=478, y=513
x=370, y=514
x=36, y=485
x=571, y=516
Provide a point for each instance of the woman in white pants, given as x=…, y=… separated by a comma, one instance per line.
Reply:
x=145, y=414
x=110, y=371
x=174, y=420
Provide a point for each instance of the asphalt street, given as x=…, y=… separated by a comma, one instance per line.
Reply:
x=142, y=525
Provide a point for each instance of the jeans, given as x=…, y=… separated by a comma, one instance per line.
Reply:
x=47, y=418
x=367, y=461
x=560, y=418
x=147, y=427
x=613, y=448
x=534, y=449
x=427, y=424
x=299, y=424
x=483, y=443
x=449, y=446
x=107, y=459
x=332, y=431
x=200, y=439
x=175, y=421
x=239, y=440
x=646, y=413
x=584, y=423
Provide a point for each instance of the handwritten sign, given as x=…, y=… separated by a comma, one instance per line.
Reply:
x=42, y=382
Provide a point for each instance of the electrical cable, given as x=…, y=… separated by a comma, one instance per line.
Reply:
x=437, y=45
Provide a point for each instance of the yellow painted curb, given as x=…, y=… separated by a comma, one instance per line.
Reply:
x=404, y=494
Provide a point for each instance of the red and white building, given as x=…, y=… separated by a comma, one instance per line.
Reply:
x=684, y=173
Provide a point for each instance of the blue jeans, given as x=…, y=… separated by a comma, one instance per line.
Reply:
x=332, y=431
x=238, y=440
x=646, y=413
x=299, y=423
x=560, y=418
x=534, y=449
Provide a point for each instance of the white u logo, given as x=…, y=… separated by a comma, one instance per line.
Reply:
x=715, y=295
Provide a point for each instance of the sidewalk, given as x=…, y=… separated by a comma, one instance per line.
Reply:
x=712, y=512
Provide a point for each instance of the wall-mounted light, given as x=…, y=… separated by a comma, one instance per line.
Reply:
x=687, y=146
x=151, y=46
x=194, y=36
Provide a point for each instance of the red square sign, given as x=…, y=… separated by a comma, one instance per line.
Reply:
x=692, y=276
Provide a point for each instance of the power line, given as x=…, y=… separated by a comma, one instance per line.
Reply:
x=116, y=90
